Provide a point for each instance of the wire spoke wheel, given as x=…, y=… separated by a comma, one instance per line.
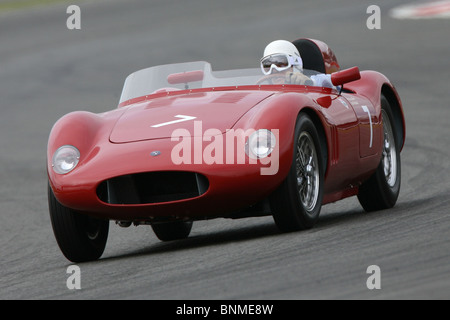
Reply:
x=381, y=190
x=389, y=157
x=296, y=204
x=307, y=171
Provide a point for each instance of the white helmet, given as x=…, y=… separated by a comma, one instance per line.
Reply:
x=280, y=48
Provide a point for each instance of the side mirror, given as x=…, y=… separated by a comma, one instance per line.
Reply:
x=185, y=77
x=345, y=76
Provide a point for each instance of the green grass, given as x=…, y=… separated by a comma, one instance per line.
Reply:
x=22, y=4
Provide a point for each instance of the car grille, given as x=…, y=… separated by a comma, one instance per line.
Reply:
x=152, y=187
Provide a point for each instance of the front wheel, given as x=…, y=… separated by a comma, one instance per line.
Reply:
x=80, y=237
x=382, y=189
x=297, y=202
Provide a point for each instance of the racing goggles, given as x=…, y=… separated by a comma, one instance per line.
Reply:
x=279, y=62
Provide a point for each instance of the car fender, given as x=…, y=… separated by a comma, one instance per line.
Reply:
x=83, y=130
x=371, y=85
x=279, y=113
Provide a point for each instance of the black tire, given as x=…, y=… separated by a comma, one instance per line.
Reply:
x=292, y=209
x=383, y=187
x=169, y=231
x=80, y=237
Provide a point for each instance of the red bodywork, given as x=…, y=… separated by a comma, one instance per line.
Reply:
x=120, y=142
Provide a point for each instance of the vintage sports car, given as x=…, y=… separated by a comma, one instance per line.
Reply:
x=187, y=143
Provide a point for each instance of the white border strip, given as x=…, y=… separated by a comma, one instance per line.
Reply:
x=421, y=10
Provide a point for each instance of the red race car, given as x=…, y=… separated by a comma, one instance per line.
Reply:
x=187, y=143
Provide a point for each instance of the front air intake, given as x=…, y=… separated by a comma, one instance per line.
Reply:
x=152, y=187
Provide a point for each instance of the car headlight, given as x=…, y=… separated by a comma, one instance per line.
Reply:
x=65, y=159
x=260, y=144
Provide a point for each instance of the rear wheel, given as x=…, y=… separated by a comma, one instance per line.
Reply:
x=382, y=189
x=169, y=231
x=297, y=202
x=80, y=237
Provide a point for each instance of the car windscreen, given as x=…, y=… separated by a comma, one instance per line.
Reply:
x=189, y=75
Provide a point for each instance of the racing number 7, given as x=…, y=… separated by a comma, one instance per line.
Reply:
x=370, y=123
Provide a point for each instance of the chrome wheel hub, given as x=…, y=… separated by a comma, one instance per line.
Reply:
x=307, y=168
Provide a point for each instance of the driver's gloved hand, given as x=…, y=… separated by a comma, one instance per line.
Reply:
x=298, y=78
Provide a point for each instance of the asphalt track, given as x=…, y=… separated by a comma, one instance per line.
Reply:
x=47, y=71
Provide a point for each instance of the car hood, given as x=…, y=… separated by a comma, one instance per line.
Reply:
x=192, y=113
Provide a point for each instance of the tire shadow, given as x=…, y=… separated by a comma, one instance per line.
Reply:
x=267, y=229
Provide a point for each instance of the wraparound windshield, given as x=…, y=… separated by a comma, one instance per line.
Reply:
x=157, y=79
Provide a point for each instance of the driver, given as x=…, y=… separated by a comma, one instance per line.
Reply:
x=282, y=56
